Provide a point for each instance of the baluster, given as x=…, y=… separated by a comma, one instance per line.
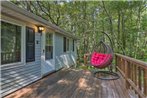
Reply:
x=129, y=70
x=145, y=82
x=121, y=64
x=127, y=73
x=139, y=78
x=124, y=66
x=118, y=61
x=133, y=73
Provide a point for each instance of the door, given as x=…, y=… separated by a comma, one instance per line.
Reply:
x=47, y=56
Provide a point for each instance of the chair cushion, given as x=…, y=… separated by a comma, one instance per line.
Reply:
x=99, y=59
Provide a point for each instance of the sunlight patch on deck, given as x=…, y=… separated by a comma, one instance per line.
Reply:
x=64, y=81
x=82, y=83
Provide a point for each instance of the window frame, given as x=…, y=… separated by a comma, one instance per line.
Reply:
x=52, y=35
x=21, y=62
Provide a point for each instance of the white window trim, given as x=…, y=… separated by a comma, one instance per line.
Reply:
x=67, y=45
x=50, y=45
x=21, y=63
x=73, y=45
x=54, y=37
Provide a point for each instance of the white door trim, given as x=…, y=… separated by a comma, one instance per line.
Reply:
x=47, y=66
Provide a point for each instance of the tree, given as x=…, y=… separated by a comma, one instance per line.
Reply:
x=124, y=21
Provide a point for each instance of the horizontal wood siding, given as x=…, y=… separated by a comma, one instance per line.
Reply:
x=13, y=78
x=63, y=59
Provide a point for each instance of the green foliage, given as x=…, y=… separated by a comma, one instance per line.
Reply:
x=125, y=22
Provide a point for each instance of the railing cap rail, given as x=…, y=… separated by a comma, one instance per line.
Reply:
x=141, y=63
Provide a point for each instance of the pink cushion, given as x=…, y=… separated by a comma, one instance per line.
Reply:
x=98, y=59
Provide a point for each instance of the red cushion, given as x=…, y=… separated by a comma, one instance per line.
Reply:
x=98, y=59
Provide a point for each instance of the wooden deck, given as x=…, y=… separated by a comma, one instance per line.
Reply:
x=72, y=83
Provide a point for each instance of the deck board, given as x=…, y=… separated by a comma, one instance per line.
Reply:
x=72, y=83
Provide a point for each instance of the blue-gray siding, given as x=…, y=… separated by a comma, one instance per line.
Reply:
x=13, y=78
x=63, y=59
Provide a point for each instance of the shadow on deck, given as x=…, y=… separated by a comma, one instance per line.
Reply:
x=72, y=83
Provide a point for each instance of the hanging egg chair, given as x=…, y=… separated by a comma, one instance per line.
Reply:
x=101, y=58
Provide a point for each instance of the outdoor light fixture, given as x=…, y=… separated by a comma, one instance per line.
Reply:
x=40, y=29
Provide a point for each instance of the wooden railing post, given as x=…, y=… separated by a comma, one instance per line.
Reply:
x=145, y=82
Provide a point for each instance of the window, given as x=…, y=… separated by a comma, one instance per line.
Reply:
x=30, y=44
x=49, y=46
x=65, y=44
x=10, y=43
x=73, y=44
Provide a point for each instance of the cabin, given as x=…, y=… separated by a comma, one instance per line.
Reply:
x=37, y=57
x=31, y=48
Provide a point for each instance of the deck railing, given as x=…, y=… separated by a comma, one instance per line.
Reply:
x=134, y=72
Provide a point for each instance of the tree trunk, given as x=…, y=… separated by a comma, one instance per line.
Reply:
x=123, y=31
x=118, y=27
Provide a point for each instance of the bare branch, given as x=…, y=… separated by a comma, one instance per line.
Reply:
x=40, y=6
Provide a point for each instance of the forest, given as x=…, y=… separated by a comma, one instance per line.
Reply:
x=124, y=21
